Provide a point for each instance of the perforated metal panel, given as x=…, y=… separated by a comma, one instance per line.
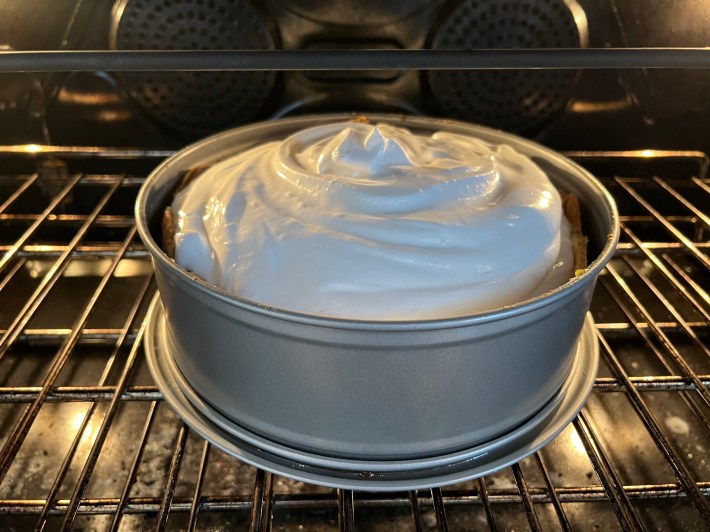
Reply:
x=515, y=100
x=194, y=103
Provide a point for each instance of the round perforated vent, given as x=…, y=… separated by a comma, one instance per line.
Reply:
x=194, y=103
x=516, y=100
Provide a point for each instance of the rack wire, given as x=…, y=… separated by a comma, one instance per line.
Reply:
x=87, y=441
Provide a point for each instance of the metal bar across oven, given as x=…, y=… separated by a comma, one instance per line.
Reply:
x=295, y=60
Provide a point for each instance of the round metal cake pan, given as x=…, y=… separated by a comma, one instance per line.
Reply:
x=366, y=389
x=382, y=475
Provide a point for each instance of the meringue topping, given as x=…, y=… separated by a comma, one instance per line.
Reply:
x=374, y=222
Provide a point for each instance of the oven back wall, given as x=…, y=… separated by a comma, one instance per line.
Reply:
x=595, y=109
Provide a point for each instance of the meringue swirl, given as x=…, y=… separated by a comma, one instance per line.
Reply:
x=374, y=222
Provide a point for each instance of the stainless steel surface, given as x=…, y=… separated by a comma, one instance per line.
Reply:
x=381, y=475
x=349, y=388
x=611, y=468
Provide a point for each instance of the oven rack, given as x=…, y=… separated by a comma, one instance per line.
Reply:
x=86, y=441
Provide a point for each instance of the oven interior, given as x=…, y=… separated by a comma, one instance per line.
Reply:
x=86, y=440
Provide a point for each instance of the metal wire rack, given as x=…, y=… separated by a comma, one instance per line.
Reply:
x=86, y=441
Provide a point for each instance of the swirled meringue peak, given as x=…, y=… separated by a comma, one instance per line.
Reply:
x=374, y=222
